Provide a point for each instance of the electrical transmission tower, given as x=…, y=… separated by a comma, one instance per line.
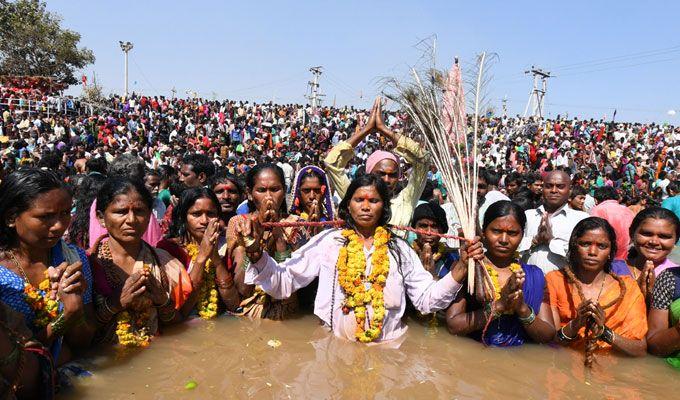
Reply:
x=537, y=95
x=315, y=97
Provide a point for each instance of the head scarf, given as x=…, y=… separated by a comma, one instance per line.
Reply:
x=327, y=206
x=378, y=156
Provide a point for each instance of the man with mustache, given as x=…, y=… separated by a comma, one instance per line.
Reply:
x=546, y=237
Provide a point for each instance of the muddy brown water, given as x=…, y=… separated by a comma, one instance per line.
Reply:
x=230, y=358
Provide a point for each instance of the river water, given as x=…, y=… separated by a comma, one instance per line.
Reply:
x=230, y=358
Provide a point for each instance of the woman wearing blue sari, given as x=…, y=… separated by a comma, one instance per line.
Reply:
x=519, y=311
x=42, y=277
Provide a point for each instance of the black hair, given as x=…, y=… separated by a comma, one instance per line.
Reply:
x=97, y=165
x=118, y=185
x=252, y=175
x=655, y=213
x=152, y=172
x=587, y=225
x=224, y=176
x=533, y=177
x=200, y=164
x=428, y=191
x=605, y=193
x=85, y=194
x=178, y=229
x=127, y=165
x=166, y=171
x=503, y=208
x=577, y=191
x=525, y=199
x=363, y=181
x=514, y=177
x=485, y=175
x=18, y=191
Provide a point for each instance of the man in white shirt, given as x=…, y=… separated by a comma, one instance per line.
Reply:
x=548, y=228
x=288, y=172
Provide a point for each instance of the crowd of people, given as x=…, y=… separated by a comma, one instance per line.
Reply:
x=155, y=210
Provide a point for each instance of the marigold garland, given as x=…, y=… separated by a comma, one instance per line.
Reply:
x=44, y=308
x=128, y=334
x=493, y=274
x=207, y=305
x=351, y=277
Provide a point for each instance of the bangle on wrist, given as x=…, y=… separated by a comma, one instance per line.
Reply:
x=529, y=319
x=167, y=302
x=607, y=335
x=59, y=325
x=563, y=336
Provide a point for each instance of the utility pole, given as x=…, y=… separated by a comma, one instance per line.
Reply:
x=173, y=90
x=537, y=95
x=126, y=47
x=314, y=95
x=505, y=106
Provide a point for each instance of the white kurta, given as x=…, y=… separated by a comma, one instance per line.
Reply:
x=319, y=257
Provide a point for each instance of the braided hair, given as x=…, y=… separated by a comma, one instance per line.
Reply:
x=587, y=225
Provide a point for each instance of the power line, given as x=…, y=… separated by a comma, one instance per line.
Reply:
x=620, y=58
x=143, y=75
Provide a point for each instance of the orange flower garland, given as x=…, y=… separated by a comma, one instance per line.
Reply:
x=351, y=277
x=45, y=308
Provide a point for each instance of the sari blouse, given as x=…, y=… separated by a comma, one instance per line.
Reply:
x=12, y=285
x=107, y=284
x=507, y=330
x=628, y=318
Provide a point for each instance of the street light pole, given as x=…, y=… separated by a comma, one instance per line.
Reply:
x=126, y=47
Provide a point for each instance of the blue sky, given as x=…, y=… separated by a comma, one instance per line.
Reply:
x=605, y=54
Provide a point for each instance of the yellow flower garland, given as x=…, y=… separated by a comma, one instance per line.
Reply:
x=128, y=335
x=207, y=305
x=493, y=274
x=351, y=277
x=45, y=308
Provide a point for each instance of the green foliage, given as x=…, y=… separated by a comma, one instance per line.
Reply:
x=32, y=42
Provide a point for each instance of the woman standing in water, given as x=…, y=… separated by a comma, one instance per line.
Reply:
x=364, y=271
x=266, y=195
x=653, y=233
x=42, y=277
x=519, y=311
x=195, y=239
x=663, y=337
x=592, y=305
x=311, y=195
x=138, y=288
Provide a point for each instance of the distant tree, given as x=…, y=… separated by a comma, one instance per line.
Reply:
x=32, y=42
